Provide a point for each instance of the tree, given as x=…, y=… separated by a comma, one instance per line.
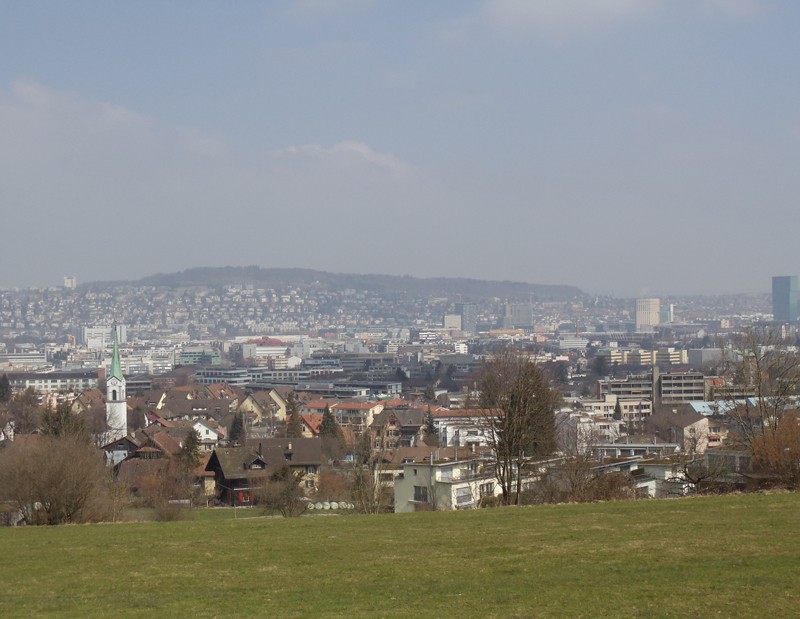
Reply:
x=431, y=437
x=190, y=452
x=294, y=428
x=561, y=372
x=778, y=453
x=766, y=369
x=56, y=480
x=369, y=495
x=5, y=389
x=522, y=422
x=617, y=411
x=282, y=492
x=236, y=431
x=24, y=412
x=61, y=421
x=331, y=435
x=429, y=393
x=600, y=366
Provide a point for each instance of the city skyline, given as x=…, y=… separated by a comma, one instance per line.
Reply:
x=632, y=149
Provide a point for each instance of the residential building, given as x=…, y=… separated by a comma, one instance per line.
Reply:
x=681, y=425
x=443, y=485
x=463, y=427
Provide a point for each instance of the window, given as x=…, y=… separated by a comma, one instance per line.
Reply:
x=486, y=489
x=420, y=494
x=463, y=496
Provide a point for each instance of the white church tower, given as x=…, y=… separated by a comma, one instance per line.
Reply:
x=116, y=400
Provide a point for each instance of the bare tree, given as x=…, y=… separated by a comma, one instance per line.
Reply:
x=24, y=412
x=522, y=424
x=369, y=495
x=778, y=453
x=767, y=370
x=282, y=492
x=55, y=480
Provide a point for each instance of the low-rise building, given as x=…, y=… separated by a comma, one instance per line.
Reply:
x=443, y=485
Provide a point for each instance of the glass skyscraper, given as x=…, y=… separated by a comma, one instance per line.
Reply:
x=784, y=298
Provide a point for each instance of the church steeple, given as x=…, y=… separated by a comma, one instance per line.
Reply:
x=116, y=365
x=116, y=398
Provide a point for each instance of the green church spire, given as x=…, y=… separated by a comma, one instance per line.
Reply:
x=116, y=365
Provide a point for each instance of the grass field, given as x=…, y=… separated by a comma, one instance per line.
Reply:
x=733, y=556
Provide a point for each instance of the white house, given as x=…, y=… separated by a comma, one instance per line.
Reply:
x=463, y=427
x=443, y=485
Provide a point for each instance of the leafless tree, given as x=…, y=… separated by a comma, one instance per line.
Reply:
x=369, y=494
x=767, y=369
x=57, y=479
x=522, y=424
x=23, y=412
x=281, y=491
x=778, y=453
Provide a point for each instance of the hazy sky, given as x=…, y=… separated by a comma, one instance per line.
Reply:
x=627, y=147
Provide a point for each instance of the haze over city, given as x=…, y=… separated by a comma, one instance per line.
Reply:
x=626, y=147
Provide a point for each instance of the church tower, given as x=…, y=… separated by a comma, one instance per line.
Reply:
x=116, y=400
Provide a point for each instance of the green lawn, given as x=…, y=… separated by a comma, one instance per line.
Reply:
x=734, y=556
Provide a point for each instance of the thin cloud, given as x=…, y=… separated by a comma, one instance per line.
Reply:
x=352, y=150
x=521, y=19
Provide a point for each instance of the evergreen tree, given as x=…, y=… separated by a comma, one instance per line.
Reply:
x=331, y=435
x=5, y=389
x=430, y=393
x=190, y=453
x=294, y=427
x=236, y=431
x=431, y=437
x=618, y=411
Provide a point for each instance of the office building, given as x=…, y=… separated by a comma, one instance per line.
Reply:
x=469, y=317
x=648, y=313
x=784, y=298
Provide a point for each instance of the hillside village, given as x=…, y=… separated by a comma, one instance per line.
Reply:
x=374, y=401
x=370, y=424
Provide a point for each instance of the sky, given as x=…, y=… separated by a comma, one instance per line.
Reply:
x=627, y=147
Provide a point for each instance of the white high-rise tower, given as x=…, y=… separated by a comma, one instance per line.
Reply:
x=648, y=313
x=116, y=399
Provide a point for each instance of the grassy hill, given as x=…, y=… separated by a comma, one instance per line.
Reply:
x=733, y=556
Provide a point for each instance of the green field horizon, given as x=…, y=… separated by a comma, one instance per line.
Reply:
x=729, y=556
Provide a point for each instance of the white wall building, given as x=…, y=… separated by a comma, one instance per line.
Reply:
x=443, y=485
x=648, y=313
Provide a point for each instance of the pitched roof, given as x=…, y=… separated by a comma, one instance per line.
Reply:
x=313, y=421
x=406, y=417
x=475, y=413
x=293, y=451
